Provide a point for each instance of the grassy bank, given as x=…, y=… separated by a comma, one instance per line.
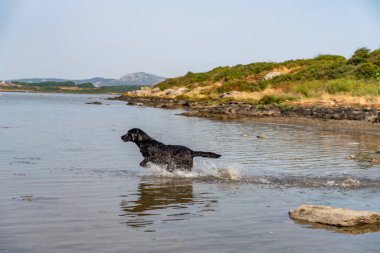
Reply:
x=323, y=79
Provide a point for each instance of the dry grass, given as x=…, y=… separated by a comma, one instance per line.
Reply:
x=320, y=96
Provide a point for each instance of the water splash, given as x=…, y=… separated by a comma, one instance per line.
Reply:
x=208, y=172
x=211, y=173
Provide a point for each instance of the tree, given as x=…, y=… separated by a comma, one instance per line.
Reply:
x=366, y=71
x=374, y=57
x=360, y=56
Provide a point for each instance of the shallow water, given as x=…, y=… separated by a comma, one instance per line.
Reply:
x=69, y=184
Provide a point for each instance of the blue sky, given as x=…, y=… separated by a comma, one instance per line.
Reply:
x=109, y=38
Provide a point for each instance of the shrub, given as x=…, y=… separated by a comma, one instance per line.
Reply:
x=239, y=85
x=366, y=71
x=354, y=87
x=374, y=57
x=361, y=55
x=309, y=89
x=330, y=57
x=273, y=99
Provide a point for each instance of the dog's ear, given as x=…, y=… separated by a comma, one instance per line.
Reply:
x=134, y=136
x=139, y=135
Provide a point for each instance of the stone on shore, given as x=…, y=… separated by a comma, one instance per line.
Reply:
x=334, y=216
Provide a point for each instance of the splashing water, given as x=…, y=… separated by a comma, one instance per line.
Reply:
x=209, y=171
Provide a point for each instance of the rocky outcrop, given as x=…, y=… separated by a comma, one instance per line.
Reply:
x=334, y=216
x=339, y=113
x=244, y=110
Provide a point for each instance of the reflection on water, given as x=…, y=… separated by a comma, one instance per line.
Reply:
x=165, y=200
x=342, y=230
x=69, y=184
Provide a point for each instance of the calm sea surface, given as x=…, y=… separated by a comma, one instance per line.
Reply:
x=69, y=184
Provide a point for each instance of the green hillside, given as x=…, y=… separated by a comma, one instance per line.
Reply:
x=332, y=74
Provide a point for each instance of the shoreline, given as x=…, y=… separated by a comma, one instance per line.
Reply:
x=47, y=92
x=364, y=120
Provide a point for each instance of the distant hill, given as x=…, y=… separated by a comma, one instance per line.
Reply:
x=142, y=78
x=100, y=82
x=138, y=78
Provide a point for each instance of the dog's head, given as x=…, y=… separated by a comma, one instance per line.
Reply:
x=135, y=134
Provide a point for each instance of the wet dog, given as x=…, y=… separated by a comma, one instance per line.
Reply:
x=170, y=156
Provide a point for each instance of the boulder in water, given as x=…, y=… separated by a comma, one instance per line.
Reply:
x=334, y=216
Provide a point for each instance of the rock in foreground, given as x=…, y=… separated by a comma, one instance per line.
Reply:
x=334, y=216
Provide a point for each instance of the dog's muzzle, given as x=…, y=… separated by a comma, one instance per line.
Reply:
x=126, y=138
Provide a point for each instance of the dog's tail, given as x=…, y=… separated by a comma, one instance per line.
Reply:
x=205, y=154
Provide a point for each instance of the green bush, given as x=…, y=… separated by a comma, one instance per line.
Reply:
x=330, y=57
x=361, y=55
x=374, y=57
x=237, y=86
x=354, y=87
x=309, y=89
x=366, y=71
x=273, y=99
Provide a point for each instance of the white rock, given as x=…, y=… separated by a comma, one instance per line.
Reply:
x=272, y=74
x=334, y=216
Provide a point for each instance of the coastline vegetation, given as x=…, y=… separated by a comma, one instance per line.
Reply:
x=67, y=87
x=271, y=82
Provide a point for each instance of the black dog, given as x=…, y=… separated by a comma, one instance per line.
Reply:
x=171, y=156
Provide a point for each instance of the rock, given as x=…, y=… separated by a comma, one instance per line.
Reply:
x=176, y=92
x=229, y=94
x=374, y=161
x=351, y=157
x=155, y=90
x=27, y=197
x=272, y=74
x=94, y=103
x=334, y=216
x=131, y=103
x=261, y=136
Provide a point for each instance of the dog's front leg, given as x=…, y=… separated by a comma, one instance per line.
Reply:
x=144, y=162
x=170, y=167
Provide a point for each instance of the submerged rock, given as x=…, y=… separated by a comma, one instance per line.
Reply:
x=94, y=103
x=334, y=216
x=27, y=197
x=261, y=136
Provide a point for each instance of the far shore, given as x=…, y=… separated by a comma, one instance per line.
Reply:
x=58, y=92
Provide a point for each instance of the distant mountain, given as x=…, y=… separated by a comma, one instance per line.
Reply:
x=138, y=78
x=142, y=78
x=100, y=81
